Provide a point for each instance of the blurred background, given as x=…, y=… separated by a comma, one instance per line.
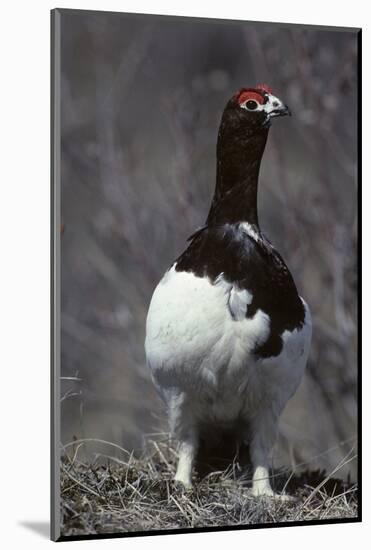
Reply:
x=142, y=99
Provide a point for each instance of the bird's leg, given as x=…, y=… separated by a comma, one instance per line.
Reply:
x=187, y=453
x=262, y=438
x=260, y=481
x=259, y=452
x=183, y=427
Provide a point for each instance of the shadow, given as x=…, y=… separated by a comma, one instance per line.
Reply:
x=42, y=528
x=219, y=454
x=222, y=453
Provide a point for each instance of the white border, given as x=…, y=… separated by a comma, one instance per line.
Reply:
x=24, y=234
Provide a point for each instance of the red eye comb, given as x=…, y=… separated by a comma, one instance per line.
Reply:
x=245, y=95
x=264, y=88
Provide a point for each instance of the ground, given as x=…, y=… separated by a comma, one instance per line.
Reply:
x=111, y=495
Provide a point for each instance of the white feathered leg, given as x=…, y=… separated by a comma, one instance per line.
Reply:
x=262, y=437
x=187, y=453
x=183, y=427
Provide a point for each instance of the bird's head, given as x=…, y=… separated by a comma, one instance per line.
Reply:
x=255, y=108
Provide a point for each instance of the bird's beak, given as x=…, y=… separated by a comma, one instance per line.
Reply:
x=274, y=107
x=280, y=110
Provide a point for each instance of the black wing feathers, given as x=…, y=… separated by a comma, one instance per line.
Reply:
x=253, y=265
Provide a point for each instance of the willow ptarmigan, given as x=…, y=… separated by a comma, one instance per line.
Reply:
x=227, y=335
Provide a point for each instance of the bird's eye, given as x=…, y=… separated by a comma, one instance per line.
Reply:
x=251, y=105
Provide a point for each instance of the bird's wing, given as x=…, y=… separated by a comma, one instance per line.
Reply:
x=238, y=302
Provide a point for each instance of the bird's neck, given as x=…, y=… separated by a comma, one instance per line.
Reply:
x=238, y=162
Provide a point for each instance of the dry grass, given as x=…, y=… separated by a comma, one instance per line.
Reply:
x=114, y=495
